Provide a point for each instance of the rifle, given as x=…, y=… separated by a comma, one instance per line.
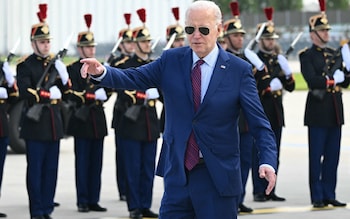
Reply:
x=252, y=43
x=111, y=55
x=170, y=42
x=291, y=47
x=9, y=58
x=154, y=45
x=34, y=112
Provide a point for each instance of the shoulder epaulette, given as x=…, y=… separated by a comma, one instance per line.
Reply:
x=52, y=55
x=22, y=59
x=302, y=51
x=122, y=61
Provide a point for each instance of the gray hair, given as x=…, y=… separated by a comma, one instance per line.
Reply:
x=205, y=5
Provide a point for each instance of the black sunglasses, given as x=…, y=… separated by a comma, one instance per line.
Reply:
x=202, y=30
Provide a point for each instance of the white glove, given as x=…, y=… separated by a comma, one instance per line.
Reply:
x=152, y=93
x=254, y=59
x=3, y=93
x=276, y=84
x=283, y=62
x=62, y=71
x=345, y=53
x=55, y=93
x=8, y=74
x=338, y=76
x=100, y=94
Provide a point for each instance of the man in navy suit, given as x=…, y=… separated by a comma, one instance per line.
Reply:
x=212, y=188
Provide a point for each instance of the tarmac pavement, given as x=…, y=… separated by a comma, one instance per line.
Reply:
x=292, y=179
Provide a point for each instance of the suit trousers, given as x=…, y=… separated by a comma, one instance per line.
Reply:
x=88, y=168
x=198, y=199
x=323, y=143
x=42, y=166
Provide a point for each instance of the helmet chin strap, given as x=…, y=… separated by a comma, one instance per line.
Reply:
x=38, y=50
x=141, y=50
x=83, y=52
x=320, y=38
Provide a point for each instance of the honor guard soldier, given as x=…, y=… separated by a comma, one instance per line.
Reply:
x=8, y=95
x=177, y=30
x=137, y=127
x=126, y=49
x=42, y=81
x=281, y=79
x=234, y=35
x=88, y=126
x=325, y=76
x=126, y=46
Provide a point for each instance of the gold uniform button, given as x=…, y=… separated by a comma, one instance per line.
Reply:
x=151, y=103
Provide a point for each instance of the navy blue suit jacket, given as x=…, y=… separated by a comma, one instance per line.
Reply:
x=215, y=124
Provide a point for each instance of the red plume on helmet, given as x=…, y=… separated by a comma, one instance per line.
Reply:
x=142, y=15
x=269, y=13
x=86, y=38
x=42, y=14
x=88, y=20
x=41, y=30
x=322, y=5
x=319, y=21
x=126, y=33
x=175, y=11
x=234, y=9
x=127, y=17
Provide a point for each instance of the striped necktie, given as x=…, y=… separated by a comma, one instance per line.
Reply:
x=192, y=150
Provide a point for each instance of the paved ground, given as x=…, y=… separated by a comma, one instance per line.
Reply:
x=292, y=180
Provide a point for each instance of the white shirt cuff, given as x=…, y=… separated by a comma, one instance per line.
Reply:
x=268, y=166
x=99, y=78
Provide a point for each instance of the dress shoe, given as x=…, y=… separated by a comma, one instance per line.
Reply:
x=274, y=197
x=318, y=204
x=47, y=216
x=244, y=209
x=3, y=215
x=97, y=207
x=56, y=204
x=122, y=197
x=260, y=197
x=83, y=208
x=149, y=213
x=135, y=214
x=334, y=202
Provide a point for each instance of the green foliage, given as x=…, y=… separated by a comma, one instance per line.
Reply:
x=300, y=83
x=337, y=4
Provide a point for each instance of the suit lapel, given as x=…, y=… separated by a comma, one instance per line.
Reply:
x=219, y=72
x=186, y=66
